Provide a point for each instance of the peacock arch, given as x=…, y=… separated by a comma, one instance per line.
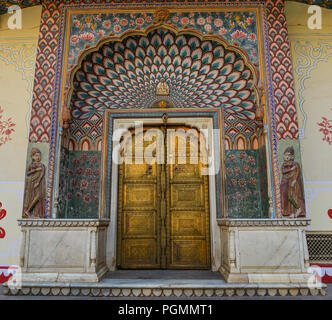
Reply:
x=211, y=69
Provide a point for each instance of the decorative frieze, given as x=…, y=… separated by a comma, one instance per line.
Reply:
x=263, y=222
x=225, y=291
x=63, y=223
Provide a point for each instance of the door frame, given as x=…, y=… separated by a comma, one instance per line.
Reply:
x=199, y=123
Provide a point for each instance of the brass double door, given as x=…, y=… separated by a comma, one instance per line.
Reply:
x=163, y=204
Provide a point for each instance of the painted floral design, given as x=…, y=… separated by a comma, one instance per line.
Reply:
x=239, y=26
x=326, y=128
x=79, y=184
x=3, y=213
x=242, y=184
x=6, y=129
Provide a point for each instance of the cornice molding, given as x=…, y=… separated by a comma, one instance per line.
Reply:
x=63, y=223
x=264, y=222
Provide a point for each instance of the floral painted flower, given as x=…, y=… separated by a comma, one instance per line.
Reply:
x=87, y=36
x=251, y=160
x=88, y=172
x=252, y=37
x=254, y=171
x=237, y=170
x=123, y=22
x=139, y=21
x=222, y=31
x=253, y=181
x=117, y=28
x=87, y=198
x=246, y=169
x=96, y=172
x=84, y=184
x=234, y=182
x=133, y=15
x=238, y=34
x=116, y=20
x=107, y=24
x=78, y=194
x=95, y=197
x=229, y=171
x=192, y=21
x=242, y=182
x=79, y=171
x=238, y=196
x=76, y=162
x=218, y=22
x=74, y=39
x=231, y=158
x=207, y=27
x=250, y=20
x=69, y=196
x=148, y=19
x=94, y=160
x=191, y=14
x=76, y=23
x=101, y=32
x=209, y=19
x=70, y=172
x=201, y=21
x=185, y=20
x=98, y=17
x=175, y=19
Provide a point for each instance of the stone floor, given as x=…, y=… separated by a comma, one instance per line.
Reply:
x=171, y=279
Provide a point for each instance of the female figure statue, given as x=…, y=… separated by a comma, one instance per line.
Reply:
x=34, y=193
x=292, y=198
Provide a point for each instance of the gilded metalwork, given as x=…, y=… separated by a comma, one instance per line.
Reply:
x=163, y=207
x=161, y=15
x=162, y=89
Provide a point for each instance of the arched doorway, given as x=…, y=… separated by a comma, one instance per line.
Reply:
x=200, y=73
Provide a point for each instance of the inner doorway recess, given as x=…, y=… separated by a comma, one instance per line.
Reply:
x=163, y=215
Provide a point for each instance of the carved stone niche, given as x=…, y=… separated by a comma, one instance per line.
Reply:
x=264, y=251
x=63, y=250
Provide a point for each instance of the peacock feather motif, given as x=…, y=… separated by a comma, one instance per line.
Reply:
x=199, y=74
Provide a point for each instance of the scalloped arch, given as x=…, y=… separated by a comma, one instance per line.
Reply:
x=201, y=71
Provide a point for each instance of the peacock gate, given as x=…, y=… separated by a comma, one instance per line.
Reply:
x=164, y=136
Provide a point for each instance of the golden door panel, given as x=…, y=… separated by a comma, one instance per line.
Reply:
x=140, y=172
x=188, y=223
x=187, y=196
x=138, y=196
x=139, y=253
x=189, y=253
x=180, y=172
x=139, y=224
